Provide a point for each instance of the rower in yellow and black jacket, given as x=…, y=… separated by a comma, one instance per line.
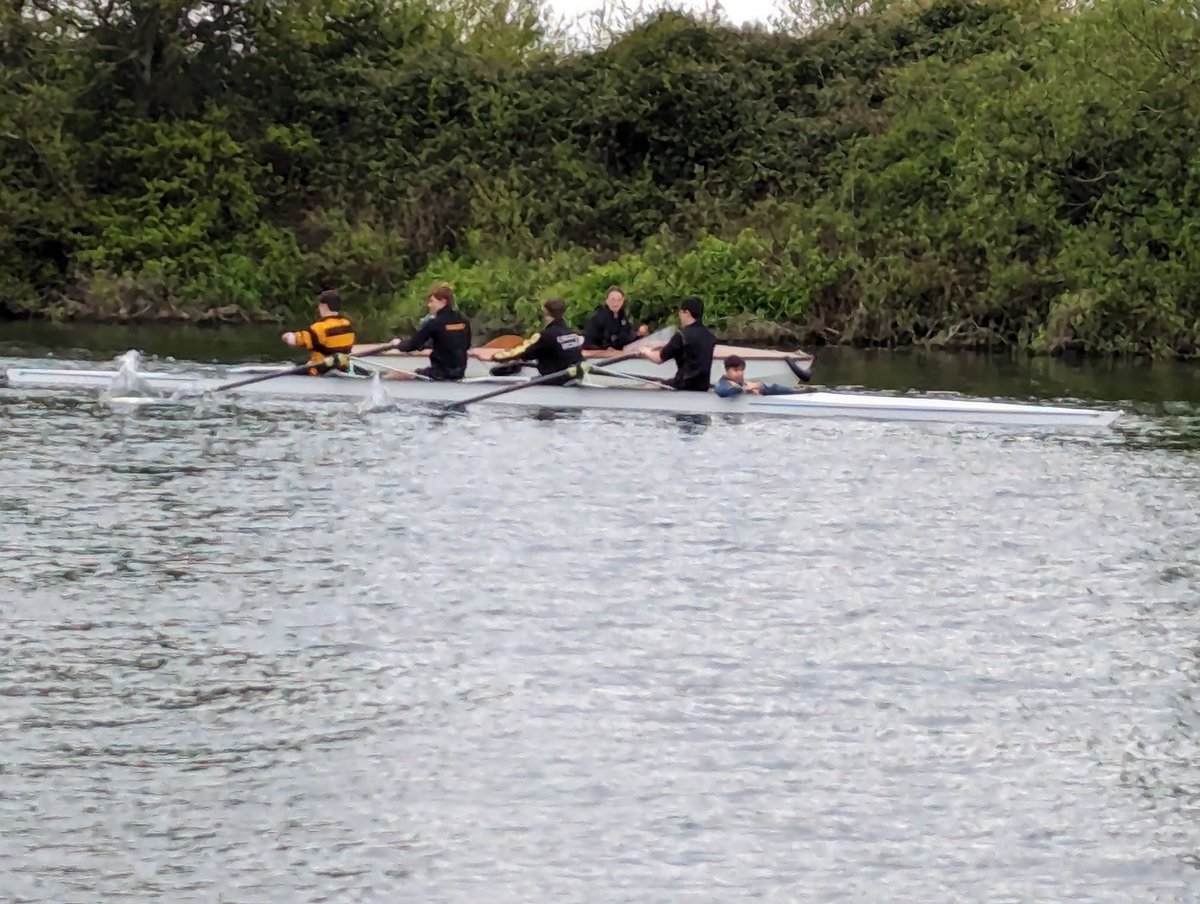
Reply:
x=330, y=336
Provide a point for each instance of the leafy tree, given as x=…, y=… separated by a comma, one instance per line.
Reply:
x=969, y=173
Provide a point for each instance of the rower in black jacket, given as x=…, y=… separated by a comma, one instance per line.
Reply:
x=691, y=349
x=609, y=327
x=448, y=333
x=555, y=347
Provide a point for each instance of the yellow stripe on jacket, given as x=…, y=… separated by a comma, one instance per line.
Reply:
x=328, y=336
x=512, y=354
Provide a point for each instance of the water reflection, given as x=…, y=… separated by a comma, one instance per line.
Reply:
x=553, y=414
x=692, y=424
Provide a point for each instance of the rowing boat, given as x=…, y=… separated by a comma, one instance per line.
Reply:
x=624, y=396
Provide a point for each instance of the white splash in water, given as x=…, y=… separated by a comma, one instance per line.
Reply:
x=127, y=388
x=129, y=375
x=376, y=397
x=131, y=359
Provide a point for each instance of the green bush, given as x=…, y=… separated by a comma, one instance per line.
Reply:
x=964, y=173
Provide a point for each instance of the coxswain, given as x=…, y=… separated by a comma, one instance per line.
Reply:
x=608, y=329
x=554, y=348
x=448, y=334
x=332, y=335
x=734, y=381
x=691, y=349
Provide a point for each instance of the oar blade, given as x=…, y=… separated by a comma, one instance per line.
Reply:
x=505, y=342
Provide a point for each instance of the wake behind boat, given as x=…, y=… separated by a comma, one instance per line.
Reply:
x=600, y=392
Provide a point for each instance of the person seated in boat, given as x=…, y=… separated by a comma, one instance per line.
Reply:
x=734, y=382
x=608, y=329
x=331, y=335
x=553, y=348
x=448, y=334
x=691, y=349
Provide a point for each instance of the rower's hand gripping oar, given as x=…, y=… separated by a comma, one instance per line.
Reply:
x=575, y=370
x=328, y=362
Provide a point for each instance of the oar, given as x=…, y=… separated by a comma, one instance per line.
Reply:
x=802, y=372
x=327, y=361
x=575, y=370
x=660, y=382
x=506, y=341
x=381, y=367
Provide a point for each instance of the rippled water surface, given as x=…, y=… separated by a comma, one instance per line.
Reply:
x=262, y=654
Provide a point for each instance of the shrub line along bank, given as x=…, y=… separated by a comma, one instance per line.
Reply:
x=965, y=174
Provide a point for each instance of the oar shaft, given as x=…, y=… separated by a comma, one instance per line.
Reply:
x=327, y=361
x=572, y=371
x=369, y=350
x=260, y=378
x=660, y=382
x=575, y=370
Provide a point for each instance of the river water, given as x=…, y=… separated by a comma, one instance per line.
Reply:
x=268, y=654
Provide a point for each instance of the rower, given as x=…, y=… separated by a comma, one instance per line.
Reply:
x=691, y=349
x=556, y=347
x=609, y=329
x=448, y=333
x=330, y=335
x=734, y=382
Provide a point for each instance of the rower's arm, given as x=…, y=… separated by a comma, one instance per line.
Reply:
x=419, y=338
x=668, y=352
x=304, y=338
x=727, y=389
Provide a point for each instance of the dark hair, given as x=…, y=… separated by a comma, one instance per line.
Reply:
x=733, y=362
x=555, y=307
x=442, y=292
x=331, y=299
x=693, y=306
x=616, y=289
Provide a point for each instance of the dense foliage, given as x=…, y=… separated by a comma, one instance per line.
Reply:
x=953, y=172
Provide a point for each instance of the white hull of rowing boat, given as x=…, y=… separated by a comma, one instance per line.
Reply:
x=804, y=404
